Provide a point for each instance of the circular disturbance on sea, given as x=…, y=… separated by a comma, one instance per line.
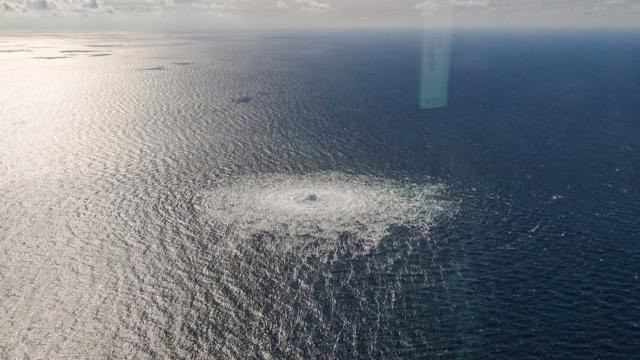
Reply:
x=296, y=210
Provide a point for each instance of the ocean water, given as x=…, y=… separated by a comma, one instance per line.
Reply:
x=283, y=195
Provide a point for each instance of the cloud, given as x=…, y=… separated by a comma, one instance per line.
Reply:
x=344, y=13
x=53, y=7
x=93, y=4
x=428, y=6
x=68, y=7
x=615, y=5
x=471, y=4
x=8, y=6
x=435, y=5
x=312, y=6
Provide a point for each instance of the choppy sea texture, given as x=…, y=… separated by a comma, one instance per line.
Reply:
x=299, y=208
x=282, y=196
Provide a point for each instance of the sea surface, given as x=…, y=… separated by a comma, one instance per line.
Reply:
x=283, y=195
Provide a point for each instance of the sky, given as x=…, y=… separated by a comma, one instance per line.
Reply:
x=192, y=15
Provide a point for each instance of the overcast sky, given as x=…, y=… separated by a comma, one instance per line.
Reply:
x=202, y=14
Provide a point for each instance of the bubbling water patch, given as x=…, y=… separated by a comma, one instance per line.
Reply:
x=294, y=210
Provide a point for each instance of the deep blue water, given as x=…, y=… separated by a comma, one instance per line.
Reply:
x=538, y=150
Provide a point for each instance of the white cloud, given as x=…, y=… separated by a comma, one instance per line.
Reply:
x=434, y=5
x=282, y=5
x=67, y=7
x=615, y=4
x=470, y=3
x=53, y=7
x=428, y=6
x=312, y=6
x=10, y=6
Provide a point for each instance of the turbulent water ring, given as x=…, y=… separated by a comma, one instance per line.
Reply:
x=322, y=206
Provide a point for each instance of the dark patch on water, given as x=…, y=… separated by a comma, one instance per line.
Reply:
x=154, y=68
x=78, y=51
x=243, y=100
x=50, y=57
x=105, y=45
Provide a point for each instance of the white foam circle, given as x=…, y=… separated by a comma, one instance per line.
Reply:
x=322, y=206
